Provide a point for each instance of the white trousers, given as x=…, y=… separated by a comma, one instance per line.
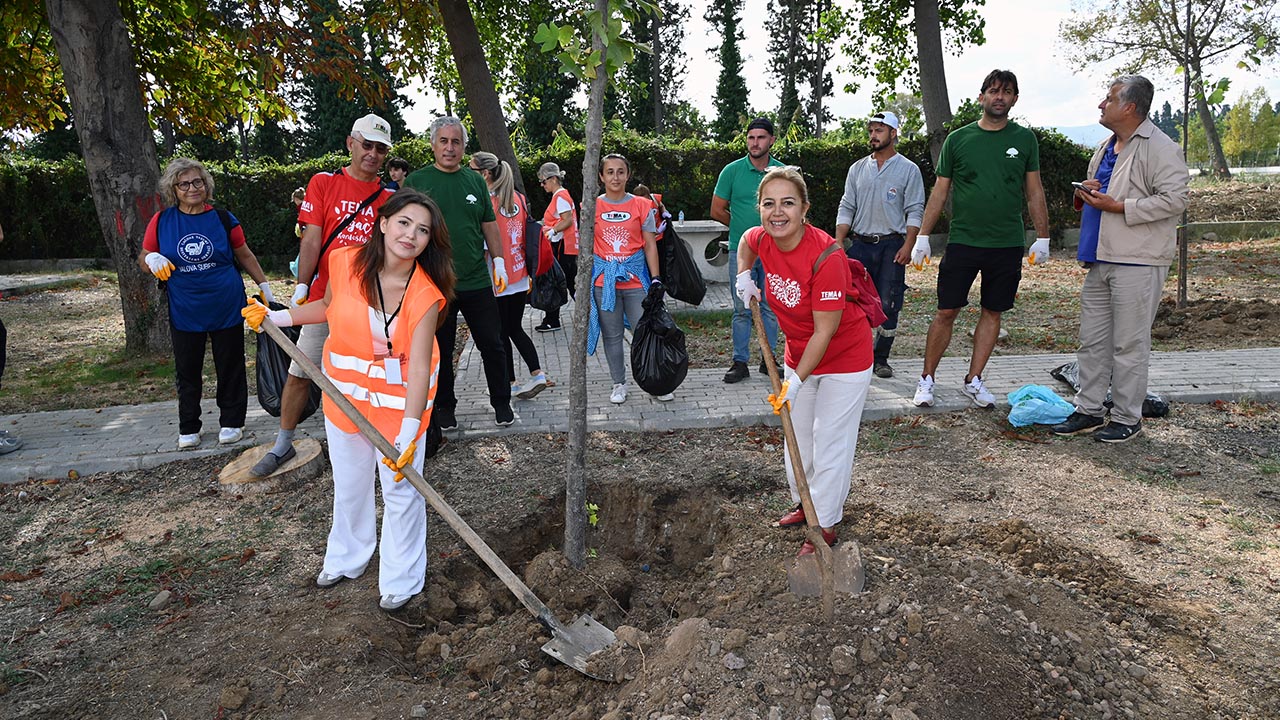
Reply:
x=402, y=562
x=826, y=415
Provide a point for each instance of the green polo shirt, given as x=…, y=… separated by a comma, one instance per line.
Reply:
x=988, y=171
x=738, y=183
x=463, y=198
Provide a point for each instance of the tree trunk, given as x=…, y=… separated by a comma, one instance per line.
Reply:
x=477, y=83
x=818, y=83
x=575, y=489
x=655, y=82
x=168, y=136
x=1217, y=159
x=933, y=74
x=119, y=152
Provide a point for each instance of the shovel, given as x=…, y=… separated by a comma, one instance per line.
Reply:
x=830, y=569
x=572, y=644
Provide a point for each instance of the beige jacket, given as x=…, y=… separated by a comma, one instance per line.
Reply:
x=1151, y=179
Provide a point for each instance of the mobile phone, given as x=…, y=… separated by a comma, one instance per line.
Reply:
x=1081, y=186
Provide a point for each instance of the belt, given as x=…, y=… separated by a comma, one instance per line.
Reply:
x=873, y=239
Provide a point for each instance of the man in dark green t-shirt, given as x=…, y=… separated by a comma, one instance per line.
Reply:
x=463, y=197
x=989, y=168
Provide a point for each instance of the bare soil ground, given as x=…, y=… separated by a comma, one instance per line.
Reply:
x=1010, y=575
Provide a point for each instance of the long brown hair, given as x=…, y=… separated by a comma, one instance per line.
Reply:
x=436, y=259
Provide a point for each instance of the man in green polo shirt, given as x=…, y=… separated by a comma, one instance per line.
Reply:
x=734, y=204
x=463, y=197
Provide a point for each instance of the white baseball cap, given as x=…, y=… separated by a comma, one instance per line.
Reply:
x=886, y=118
x=373, y=128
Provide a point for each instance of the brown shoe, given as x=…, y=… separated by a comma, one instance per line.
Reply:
x=793, y=518
x=827, y=535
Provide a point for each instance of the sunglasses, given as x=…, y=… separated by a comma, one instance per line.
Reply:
x=376, y=147
x=185, y=185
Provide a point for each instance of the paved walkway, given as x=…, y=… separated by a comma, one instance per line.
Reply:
x=139, y=436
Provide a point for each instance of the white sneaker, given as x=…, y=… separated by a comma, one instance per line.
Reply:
x=532, y=387
x=978, y=393
x=188, y=441
x=665, y=398
x=924, y=392
x=619, y=394
x=227, y=436
x=394, y=602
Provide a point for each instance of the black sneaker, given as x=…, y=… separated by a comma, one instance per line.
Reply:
x=882, y=370
x=504, y=415
x=764, y=368
x=1116, y=432
x=547, y=327
x=737, y=372
x=1076, y=423
x=445, y=419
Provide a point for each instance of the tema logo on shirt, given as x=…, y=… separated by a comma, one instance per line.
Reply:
x=1011, y=153
x=195, y=248
x=785, y=290
x=615, y=216
x=831, y=295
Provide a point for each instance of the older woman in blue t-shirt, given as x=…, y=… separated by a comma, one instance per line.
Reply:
x=193, y=248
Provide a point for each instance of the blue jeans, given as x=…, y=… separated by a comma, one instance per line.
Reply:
x=890, y=279
x=742, y=314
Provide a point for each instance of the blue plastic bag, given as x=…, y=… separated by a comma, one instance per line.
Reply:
x=1037, y=404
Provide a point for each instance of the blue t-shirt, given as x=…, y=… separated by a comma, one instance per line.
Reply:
x=205, y=290
x=1090, y=216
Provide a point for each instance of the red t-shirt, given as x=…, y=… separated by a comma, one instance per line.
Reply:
x=794, y=292
x=331, y=197
x=151, y=243
x=620, y=231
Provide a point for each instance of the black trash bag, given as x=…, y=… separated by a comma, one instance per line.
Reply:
x=680, y=274
x=273, y=371
x=549, y=291
x=659, y=360
x=1153, y=406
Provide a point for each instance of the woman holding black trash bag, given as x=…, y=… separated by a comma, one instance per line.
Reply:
x=828, y=349
x=195, y=249
x=560, y=222
x=624, y=270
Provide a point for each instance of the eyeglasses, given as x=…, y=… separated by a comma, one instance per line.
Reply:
x=376, y=147
x=185, y=185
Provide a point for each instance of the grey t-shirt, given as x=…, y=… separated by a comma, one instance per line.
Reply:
x=879, y=200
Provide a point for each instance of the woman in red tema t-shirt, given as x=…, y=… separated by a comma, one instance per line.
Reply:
x=828, y=351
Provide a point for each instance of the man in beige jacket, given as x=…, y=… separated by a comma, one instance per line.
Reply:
x=1136, y=191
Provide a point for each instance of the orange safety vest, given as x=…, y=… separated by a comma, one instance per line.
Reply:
x=550, y=218
x=511, y=231
x=348, y=353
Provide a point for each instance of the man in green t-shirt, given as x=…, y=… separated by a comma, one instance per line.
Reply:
x=734, y=204
x=463, y=197
x=990, y=168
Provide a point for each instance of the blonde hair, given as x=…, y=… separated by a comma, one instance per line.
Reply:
x=500, y=177
x=175, y=168
x=791, y=174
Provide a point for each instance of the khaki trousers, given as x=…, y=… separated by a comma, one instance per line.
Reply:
x=1117, y=307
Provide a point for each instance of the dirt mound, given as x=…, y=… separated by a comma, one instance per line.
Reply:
x=1206, y=322
x=1234, y=200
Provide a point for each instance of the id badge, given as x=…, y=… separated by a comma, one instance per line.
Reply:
x=392, y=365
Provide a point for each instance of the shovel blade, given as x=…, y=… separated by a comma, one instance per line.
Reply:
x=804, y=577
x=575, y=643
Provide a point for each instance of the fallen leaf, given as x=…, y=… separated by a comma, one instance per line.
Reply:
x=20, y=577
x=1011, y=435
x=1186, y=473
x=247, y=555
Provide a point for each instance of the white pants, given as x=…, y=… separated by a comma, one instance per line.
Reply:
x=402, y=563
x=826, y=415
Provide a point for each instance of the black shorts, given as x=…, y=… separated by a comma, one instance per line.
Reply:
x=1001, y=270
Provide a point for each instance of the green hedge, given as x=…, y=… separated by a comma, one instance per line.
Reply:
x=47, y=212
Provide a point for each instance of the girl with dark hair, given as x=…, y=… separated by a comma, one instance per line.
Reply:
x=383, y=303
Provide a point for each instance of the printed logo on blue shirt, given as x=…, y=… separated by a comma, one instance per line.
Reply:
x=892, y=194
x=195, y=248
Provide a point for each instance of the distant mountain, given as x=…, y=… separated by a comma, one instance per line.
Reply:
x=1087, y=135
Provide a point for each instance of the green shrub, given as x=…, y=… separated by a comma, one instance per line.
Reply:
x=47, y=211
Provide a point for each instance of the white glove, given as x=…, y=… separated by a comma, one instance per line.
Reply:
x=406, y=446
x=299, y=295
x=1039, y=251
x=280, y=318
x=747, y=288
x=921, y=253
x=160, y=265
x=500, y=274
x=408, y=431
x=793, y=385
x=267, y=295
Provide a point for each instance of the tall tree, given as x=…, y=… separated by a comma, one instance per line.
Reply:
x=545, y=96
x=1164, y=120
x=731, y=89
x=96, y=56
x=788, y=55
x=900, y=42
x=650, y=84
x=1193, y=35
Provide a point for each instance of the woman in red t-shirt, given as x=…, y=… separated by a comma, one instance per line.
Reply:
x=828, y=352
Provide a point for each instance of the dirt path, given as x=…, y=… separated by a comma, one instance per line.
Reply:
x=1010, y=575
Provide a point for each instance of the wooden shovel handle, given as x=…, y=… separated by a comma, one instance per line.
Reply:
x=464, y=531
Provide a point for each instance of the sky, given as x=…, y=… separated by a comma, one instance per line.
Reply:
x=1021, y=36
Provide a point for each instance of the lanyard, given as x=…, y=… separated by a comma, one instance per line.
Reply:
x=388, y=319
